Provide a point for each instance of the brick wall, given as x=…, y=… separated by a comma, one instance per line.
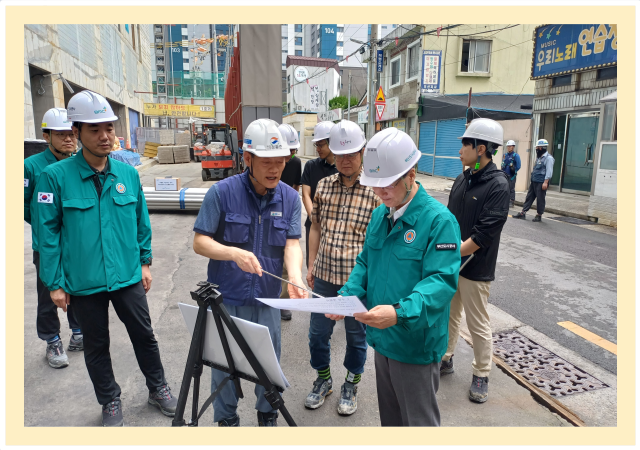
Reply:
x=605, y=209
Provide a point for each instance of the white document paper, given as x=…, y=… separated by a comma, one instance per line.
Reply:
x=257, y=337
x=342, y=306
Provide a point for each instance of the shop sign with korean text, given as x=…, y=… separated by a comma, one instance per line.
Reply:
x=390, y=111
x=431, y=70
x=564, y=49
x=165, y=109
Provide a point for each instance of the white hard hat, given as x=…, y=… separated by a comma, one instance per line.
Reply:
x=321, y=131
x=389, y=154
x=263, y=139
x=511, y=142
x=89, y=107
x=290, y=135
x=486, y=130
x=56, y=119
x=346, y=137
x=542, y=143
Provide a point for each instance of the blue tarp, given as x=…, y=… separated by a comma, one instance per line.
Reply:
x=127, y=157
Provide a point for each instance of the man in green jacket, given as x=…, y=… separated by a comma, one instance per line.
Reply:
x=95, y=246
x=406, y=276
x=56, y=130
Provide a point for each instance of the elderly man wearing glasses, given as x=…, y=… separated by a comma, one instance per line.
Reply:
x=342, y=209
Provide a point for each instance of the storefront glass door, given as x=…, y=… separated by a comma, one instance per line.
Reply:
x=558, y=148
x=581, y=139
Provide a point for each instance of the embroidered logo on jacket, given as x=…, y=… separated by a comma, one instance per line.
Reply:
x=410, y=236
x=121, y=188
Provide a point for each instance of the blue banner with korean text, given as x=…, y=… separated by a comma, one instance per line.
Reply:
x=431, y=62
x=562, y=49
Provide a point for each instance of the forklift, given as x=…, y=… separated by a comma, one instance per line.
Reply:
x=221, y=163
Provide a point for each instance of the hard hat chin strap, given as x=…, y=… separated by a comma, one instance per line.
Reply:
x=475, y=143
x=255, y=180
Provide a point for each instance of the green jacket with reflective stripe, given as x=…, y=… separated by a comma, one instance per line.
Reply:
x=415, y=264
x=89, y=244
x=33, y=167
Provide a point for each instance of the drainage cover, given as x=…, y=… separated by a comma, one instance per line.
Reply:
x=542, y=368
x=572, y=220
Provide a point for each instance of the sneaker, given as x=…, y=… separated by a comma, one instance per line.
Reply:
x=479, y=390
x=267, y=419
x=163, y=399
x=76, y=343
x=285, y=314
x=56, y=356
x=232, y=422
x=446, y=367
x=520, y=215
x=537, y=218
x=348, y=399
x=321, y=388
x=112, y=414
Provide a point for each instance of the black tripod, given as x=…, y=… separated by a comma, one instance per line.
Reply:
x=207, y=297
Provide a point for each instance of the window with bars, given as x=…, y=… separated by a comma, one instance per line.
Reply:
x=413, y=61
x=476, y=56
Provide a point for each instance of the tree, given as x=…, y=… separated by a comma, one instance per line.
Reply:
x=342, y=102
x=284, y=108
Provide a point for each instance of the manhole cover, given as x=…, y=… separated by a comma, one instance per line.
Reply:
x=572, y=220
x=541, y=367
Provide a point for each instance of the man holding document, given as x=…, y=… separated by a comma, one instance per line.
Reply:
x=249, y=222
x=406, y=275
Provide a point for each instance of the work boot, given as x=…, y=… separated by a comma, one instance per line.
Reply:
x=446, y=367
x=348, y=399
x=321, y=388
x=56, y=356
x=479, y=390
x=267, y=419
x=163, y=399
x=112, y=414
x=520, y=215
x=512, y=204
x=232, y=422
x=76, y=343
x=537, y=218
x=285, y=314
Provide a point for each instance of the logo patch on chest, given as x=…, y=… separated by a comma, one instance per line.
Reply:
x=276, y=214
x=410, y=236
x=446, y=246
x=121, y=188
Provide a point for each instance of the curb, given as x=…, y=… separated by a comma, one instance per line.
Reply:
x=147, y=164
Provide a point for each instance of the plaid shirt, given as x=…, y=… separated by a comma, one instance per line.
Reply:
x=343, y=214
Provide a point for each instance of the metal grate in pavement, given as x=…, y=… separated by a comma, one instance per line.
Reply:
x=572, y=220
x=542, y=368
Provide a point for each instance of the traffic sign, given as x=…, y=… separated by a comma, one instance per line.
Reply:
x=380, y=96
x=380, y=109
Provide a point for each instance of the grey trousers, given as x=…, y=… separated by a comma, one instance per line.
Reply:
x=535, y=193
x=407, y=393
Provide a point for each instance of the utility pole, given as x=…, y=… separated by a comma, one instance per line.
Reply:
x=215, y=64
x=370, y=77
x=349, y=99
x=469, y=106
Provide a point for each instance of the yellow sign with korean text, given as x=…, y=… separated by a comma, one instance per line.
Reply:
x=165, y=109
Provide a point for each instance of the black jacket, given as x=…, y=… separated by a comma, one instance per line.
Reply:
x=480, y=202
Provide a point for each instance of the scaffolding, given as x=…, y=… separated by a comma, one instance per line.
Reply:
x=196, y=85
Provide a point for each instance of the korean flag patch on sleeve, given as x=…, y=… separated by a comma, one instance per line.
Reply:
x=45, y=197
x=26, y=182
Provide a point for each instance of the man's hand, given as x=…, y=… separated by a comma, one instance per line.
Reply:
x=247, y=261
x=334, y=316
x=146, y=278
x=310, y=280
x=60, y=298
x=294, y=292
x=382, y=316
x=545, y=185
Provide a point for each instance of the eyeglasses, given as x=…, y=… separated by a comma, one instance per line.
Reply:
x=350, y=156
x=64, y=136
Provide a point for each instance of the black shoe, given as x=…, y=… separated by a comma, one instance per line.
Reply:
x=163, y=399
x=112, y=414
x=512, y=205
x=520, y=215
x=285, y=314
x=446, y=367
x=479, y=390
x=267, y=419
x=537, y=218
x=233, y=422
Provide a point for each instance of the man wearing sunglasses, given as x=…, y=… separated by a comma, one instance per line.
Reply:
x=342, y=209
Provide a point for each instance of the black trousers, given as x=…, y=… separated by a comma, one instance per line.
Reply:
x=512, y=190
x=535, y=193
x=92, y=311
x=308, y=229
x=47, y=321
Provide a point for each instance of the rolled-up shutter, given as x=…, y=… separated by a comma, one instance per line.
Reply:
x=426, y=145
x=447, y=159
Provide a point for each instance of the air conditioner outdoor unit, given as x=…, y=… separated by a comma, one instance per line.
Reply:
x=299, y=108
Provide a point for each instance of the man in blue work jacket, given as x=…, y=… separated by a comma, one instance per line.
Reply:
x=56, y=130
x=94, y=238
x=246, y=223
x=510, y=166
x=540, y=176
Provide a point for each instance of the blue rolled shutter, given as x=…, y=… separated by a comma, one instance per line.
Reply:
x=426, y=145
x=447, y=158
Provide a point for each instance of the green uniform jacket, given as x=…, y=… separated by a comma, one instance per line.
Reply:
x=415, y=264
x=89, y=244
x=33, y=167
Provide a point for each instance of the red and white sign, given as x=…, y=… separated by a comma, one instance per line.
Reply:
x=380, y=109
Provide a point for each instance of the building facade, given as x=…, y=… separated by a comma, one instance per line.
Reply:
x=112, y=60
